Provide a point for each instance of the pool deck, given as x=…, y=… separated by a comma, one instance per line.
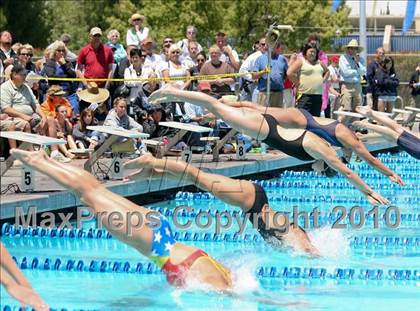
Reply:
x=49, y=196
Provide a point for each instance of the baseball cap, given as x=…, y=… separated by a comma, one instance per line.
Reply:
x=95, y=31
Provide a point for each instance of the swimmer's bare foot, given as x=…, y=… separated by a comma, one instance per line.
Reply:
x=30, y=158
x=141, y=162
x=364, y=110
x=143, y=173
x=360, y=124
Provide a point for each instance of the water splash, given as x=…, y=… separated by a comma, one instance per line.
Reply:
x=331, y=243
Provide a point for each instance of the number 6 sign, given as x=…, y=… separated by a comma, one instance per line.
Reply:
x=116, y=170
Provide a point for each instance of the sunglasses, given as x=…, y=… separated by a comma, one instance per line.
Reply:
x=97, y=35
x=200, y=60
x=62, y=51
x=175, y=52
x=168, y=41
x=137, y=19
x=262, y=44
x=25, y=54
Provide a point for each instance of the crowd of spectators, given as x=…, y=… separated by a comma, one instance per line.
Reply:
x=52, y=103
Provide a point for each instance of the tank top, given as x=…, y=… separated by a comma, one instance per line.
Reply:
x=177, y=72
x=311, y=80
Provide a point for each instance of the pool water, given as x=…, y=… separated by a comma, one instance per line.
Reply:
x=364, y=269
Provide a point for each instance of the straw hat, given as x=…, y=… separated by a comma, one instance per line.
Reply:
x=135, y=16
x=55, y=90
x=353, y=44
x=93, y=94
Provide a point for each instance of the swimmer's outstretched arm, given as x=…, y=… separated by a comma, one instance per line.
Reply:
x=232, y=191
x=326, y=153
x=360, y=149
x=16, y=283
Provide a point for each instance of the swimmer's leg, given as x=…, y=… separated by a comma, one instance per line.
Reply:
x=251, y=123
x=232, y=191
x=386, y=132
x=103, y=202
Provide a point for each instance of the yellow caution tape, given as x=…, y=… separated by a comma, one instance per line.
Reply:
x=184, y=78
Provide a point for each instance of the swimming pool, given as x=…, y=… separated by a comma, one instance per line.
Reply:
x=365, y=269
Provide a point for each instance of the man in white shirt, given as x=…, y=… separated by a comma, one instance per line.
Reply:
x=229, y=55
x=152, y=60
x=248, y=87
x=190, y=60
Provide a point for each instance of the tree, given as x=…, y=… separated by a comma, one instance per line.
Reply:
x=25, y=19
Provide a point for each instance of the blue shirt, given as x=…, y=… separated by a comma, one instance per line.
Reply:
x=350, y=71
x=278, y=72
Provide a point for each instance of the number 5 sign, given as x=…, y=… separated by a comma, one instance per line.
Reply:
x=27, y=183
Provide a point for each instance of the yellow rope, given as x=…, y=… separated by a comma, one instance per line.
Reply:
x=185, y=78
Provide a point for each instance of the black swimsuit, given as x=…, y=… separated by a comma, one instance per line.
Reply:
x=410, y=143
x=292, y=148
x=267, y=234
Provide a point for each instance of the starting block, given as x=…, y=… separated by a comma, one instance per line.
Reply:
x=28, y=139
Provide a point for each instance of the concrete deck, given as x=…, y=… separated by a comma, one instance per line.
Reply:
x=49, y=196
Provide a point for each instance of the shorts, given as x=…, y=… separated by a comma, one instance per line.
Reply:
x=17, y=122
x=388, y=98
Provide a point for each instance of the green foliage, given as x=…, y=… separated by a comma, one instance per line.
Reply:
x=25, y=19
x=244, y=21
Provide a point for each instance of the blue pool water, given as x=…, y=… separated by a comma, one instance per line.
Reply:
x=365, y=269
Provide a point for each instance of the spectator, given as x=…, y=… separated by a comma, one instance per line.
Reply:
x=167, y=42
x=117, y=48
x=18, y=101
x=24, y=58
x=95, y=59
x=64, y=131
x=334, y=88
x=135, y=71
x=220, y=86
x=55, y=98
x=414, y=84
x=277, y=76
x=13, y=124
x=386, y=84
x=84, y=137
x=152, y=61
x=137, y=33
x=195, y=71
x=174, y=68
x=7, y=54
x=118, y=117
x=371, y=98
x=351, y=69
x=191, y=34
x=70, y=56
x=309, y=74
x=57, y=66
x=16, y=46
x=94, y=97
x=323, y=58
x=151, y=126
x=30, y=66
x=124, y=63
x=248, y=83
x=228, y=54
x=191, y=59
